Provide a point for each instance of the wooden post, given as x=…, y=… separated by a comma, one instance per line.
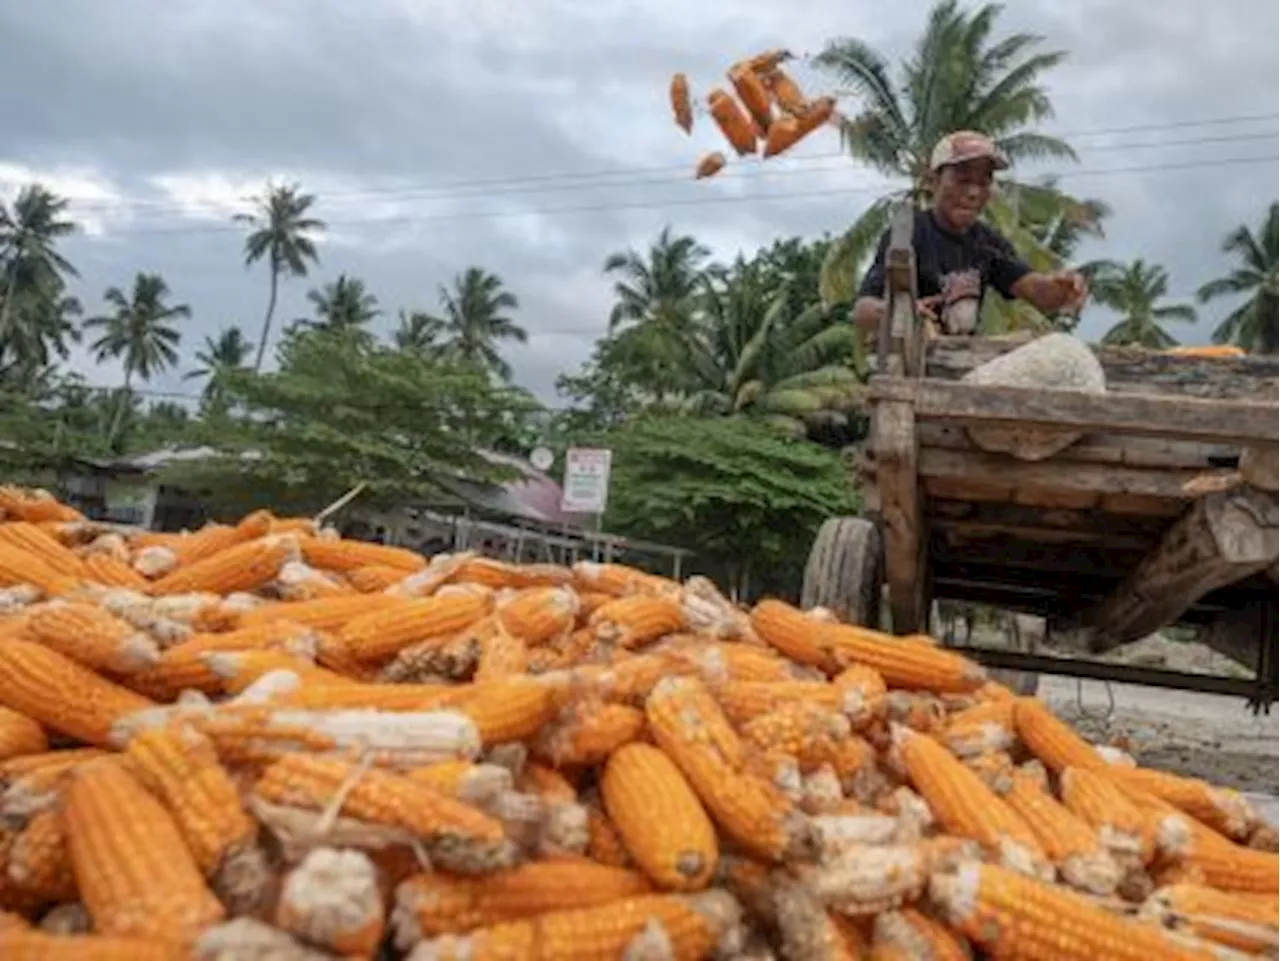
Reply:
x=899, y=349
x=1222, y=538
x=901, y=514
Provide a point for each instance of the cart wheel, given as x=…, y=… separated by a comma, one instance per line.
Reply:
x=845, y=571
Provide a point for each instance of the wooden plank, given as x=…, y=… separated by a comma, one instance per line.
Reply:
x=1223, y=538
x=1016, y=556
x=901, y=514
x=1139, y=505
x=1131, y=451
x=1128, y=370
x=1213, y=421
x=1003, y=472
x=1015, y=519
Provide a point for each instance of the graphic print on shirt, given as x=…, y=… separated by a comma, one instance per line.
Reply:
x=961, y=300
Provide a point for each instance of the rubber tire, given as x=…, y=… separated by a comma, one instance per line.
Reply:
x=845, y=571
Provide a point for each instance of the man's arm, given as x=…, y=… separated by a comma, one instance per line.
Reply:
x=1048, y=293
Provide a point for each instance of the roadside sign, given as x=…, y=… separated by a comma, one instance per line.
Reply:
x=586, y=480
x=541, y=458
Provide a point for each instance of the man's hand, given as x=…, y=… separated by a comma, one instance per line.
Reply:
x=1072, y=288
x=1062, y=292
x=927, y=311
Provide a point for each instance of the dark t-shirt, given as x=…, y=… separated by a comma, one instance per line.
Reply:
x=978, y=258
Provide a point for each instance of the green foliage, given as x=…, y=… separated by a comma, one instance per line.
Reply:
x=1253, y=324
x=336, y=415
x=1134, y=291
x=745, y=498
x=472, y=323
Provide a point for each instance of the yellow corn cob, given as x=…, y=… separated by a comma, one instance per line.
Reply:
x=1234, y=919
x=804, y=730
x=381, y=634
x=506, y=709
x=134, y=872
x=375, y=578
x=965, y=806
x=34, y=505
x=863, y=693
x=455, y=836
x=325, y=614
x=19, y=735
x=298, y=581
x=1070, y=843
x=794, y=633
x=546, y=782
x=332, y=900
x=1230, y=867
x=590, y=601
x=92, y=637
x=33, y=782
x=207, y=541
x=981, y=729
x=113, y=572
x=1227, y=812
x=20, y=945
x=563, y=653
x=180, y=767
x=39, y=862
x=919, y=936
x=30, y=538
x=429, y=905
x=690, y=728
x=721, y=662
x=604, y=844
x=636, y=620
x=382, y=697
x=243, y=567
x=61, y=695
x=22, y=567
x=538, y=614
x=587, y=732
x=182, y=666
x=1123, y=828
x=455, y=659
x=687, y=927
x=743, y=701
x=1051, y=741
x=659, y=818
x=347, y=555
x=1017, y=917
x=10, y=922
x=502, y=654
x=475, y=784
x=864, y=879
x=619, y=580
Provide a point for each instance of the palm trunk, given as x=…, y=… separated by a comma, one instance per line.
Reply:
x=266, y=323
x=118, y=417
x=11, y=281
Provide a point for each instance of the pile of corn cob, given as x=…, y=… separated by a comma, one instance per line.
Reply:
x=265, y=741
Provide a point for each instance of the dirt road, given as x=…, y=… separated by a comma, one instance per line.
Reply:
x=1203, y=735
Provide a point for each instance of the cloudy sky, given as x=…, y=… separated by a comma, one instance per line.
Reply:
x=534, y=139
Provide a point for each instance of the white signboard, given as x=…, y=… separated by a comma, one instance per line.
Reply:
x=586, y=480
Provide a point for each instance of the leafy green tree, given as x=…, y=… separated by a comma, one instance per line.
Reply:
x=420, y=332
x=334, y=416
x=281, y=233
x=35, y=312
x=227, y=352
x=343, y=308
x=473, y=322
x=1135, y=291
x=1252, y=325
x=746, y=499
x=656, y=300
x=961, y=76
x=139, y=330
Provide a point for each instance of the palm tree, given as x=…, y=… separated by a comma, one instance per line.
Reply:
x=218, y=357
x=139, y=331
x=1134, y=291
x=656, y=302
x=1252, y=325
x=473, y=320
x=280, y=229
x=419, y=333
x=344, y=308
x=960, y=77
x=29, y=231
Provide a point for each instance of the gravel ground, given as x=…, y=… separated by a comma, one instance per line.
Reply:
x=1204, y=735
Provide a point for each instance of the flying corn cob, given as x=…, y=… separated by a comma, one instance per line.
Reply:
x=753, y=95
x=735, y=124
x=681, y=108
x=709, y=165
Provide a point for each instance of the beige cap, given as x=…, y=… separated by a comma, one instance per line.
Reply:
x=965, y=145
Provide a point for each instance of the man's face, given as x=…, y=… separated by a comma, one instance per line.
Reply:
x=962, y=191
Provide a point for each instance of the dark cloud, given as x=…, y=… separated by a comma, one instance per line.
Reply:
x=160, y=116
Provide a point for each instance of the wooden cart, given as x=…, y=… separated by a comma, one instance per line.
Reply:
x=1104, y=539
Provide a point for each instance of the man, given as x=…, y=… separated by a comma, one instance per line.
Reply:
x=957, y=257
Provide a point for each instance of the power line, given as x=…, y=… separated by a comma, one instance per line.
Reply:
x=527, y=183
x=885, y=187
